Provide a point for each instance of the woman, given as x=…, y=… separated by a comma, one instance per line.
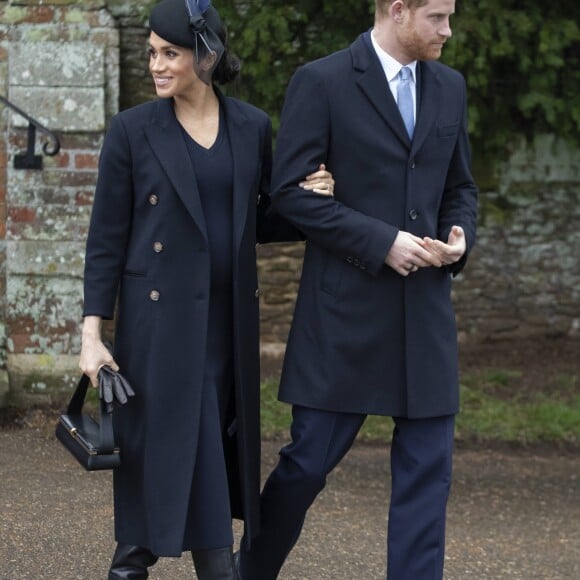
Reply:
x=181, y=200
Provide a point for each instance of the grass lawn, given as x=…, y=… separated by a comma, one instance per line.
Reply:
x=491, y=411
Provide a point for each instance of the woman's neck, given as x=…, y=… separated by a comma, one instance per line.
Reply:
x=198, y=104
x=198, y=114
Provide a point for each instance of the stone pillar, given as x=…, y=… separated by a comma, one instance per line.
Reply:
x=59, y=64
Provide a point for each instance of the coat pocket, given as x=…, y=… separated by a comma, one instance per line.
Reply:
x=444, y=131
x=134, y=274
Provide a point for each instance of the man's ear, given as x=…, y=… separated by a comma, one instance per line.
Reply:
x=397, y=10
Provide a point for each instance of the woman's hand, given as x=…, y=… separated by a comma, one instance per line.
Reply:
x=94, y=354
x=319, y=182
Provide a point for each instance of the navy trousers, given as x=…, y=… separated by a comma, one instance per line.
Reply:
x=421, y=457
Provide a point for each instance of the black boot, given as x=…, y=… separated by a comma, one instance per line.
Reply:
x=214, y=564
x=131, y=563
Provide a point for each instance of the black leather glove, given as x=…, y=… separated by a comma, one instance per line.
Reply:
x=113, y=388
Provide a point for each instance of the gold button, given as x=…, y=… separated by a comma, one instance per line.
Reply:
x=153, y=199
x=257, y=293
x=158, y=247
x=154, y=295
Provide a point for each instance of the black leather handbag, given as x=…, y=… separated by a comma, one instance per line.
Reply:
x=90, y=442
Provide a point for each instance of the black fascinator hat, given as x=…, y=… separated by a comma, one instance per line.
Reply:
x=196, y=25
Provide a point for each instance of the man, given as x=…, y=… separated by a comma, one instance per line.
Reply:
x=374, y=329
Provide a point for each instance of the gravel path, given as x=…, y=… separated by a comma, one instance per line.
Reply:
x=513, y=514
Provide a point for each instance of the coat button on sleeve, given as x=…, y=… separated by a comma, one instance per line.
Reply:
x=154, y=295
x=158, y=247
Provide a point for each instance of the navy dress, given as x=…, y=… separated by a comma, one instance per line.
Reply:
x=209, y=522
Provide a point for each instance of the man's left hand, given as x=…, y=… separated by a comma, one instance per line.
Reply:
x=450, y=252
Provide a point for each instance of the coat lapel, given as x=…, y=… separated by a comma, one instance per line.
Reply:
x=428, y=103
x=166, y=140
x=373, y=83
x=245, y=146
x=371, y=79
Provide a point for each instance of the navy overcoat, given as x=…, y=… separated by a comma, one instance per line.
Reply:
x=147, y=248
x=365, y=339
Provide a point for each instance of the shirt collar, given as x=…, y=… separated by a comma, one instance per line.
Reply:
x=390, y=65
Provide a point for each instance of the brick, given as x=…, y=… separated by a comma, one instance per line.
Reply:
x=59, y=178
x=84, y=197
x=22, y=214
x=21, y=325
x=81, y=141
x=20, y=342
x=21, y=15
x=62, y=160
x=86, y=161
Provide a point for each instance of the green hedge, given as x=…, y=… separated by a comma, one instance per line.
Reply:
x=521, y=58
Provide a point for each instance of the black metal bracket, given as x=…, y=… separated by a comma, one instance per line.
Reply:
x=51, y=147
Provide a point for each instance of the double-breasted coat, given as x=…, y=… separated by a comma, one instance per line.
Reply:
x=365, y=339
x=147, y=247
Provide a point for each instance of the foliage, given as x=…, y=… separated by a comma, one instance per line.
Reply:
x=521, y=61
x=274, y=37
x=521, y=58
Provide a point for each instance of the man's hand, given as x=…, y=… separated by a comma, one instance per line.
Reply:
x=450, y=252
x=408, y=254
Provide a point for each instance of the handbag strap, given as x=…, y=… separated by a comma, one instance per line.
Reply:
x=75, y=406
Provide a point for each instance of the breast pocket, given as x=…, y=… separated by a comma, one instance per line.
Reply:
x=445, y=131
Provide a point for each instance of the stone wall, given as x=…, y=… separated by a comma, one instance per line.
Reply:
x=60, y=65
x=523, y=279
x=72, y=63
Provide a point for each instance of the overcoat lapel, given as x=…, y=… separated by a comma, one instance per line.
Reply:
x=166, y=140
x=244, y=142
x=428, y=103
x=373, y=83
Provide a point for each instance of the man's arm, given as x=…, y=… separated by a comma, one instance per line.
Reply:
x=303, y=143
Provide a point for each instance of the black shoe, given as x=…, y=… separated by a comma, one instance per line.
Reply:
x=131, y=563
x=238, y=576
x=214, y=564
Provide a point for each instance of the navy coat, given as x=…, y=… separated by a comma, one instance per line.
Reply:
x=147, y=246
x=365, y=339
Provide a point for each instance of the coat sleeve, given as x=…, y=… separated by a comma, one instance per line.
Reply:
x=110, y=224
x=459, y=201
x=303, y=143
x=270, y=226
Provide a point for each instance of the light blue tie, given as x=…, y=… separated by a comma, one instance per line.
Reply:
x=405, y=99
